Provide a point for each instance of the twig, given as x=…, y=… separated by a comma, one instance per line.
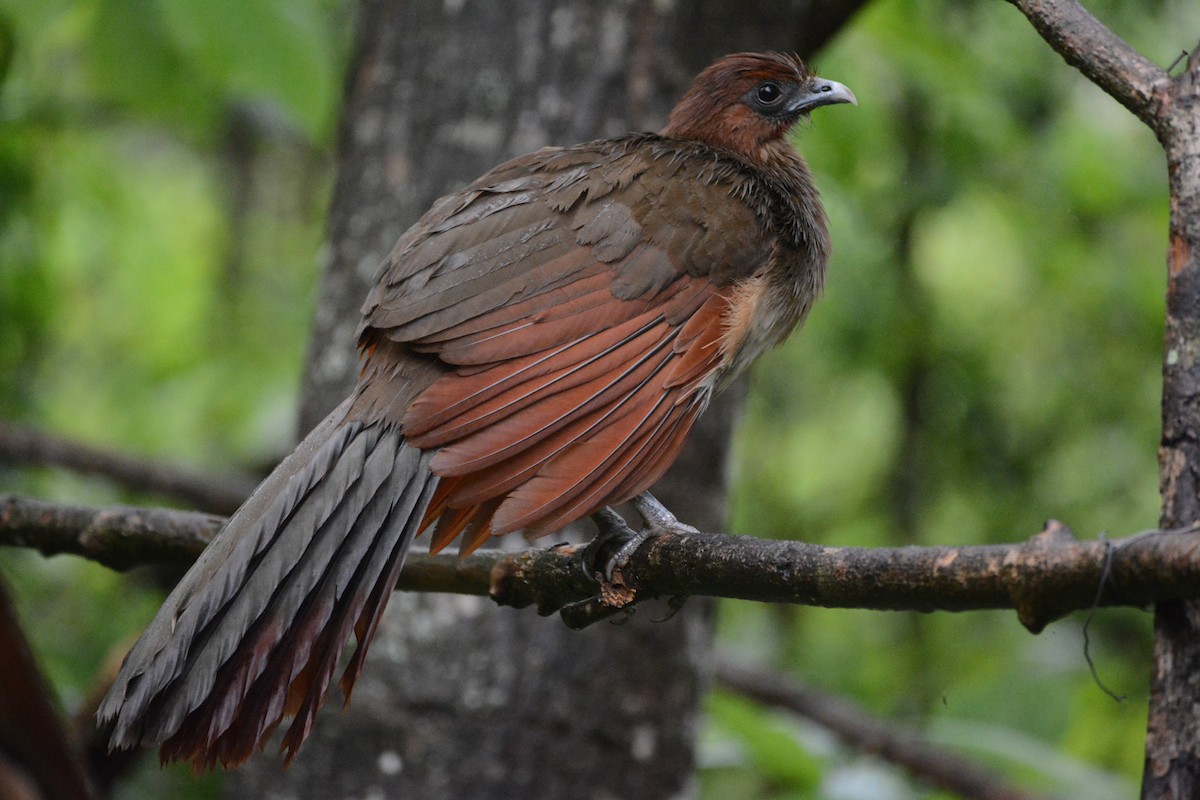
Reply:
x=1179, y=59
x=859, y=729
x=1043, y=578
x=1085, y=43
x=219, y=494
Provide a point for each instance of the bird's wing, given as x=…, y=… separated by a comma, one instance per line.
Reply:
x=579, y=300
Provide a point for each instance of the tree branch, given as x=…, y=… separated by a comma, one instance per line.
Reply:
x=1043, y=578
x=119, y=537
x=859, y=729
x=122, y=537
x=217, y=493
x=1085, y=43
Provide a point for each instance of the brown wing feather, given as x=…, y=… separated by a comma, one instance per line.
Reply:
x=629, y=448
x=586, y=462
x=461, y=403
x=642, y=464
x=578, y=371
x=576, y=424
x=573, y=446
x=450, y=523
x=584, y=294
x=698, y=346
x=552, y=411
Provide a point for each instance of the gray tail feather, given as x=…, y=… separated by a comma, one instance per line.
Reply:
x=255, y=630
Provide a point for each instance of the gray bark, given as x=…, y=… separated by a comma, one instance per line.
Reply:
x=461, y=699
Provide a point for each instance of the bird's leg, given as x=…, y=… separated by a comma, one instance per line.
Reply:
x=656, y=516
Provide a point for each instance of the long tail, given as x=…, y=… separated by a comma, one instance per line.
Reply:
x=254, y=631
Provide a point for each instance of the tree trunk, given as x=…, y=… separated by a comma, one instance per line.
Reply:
x=1172, y=767
x=461, y=699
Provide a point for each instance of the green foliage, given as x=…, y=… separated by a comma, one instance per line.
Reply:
x=781, y=766
x=182, y=61
x=987, y=354
x=138, y=262
x=164, y=169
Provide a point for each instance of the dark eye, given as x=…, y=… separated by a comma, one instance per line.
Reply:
x=768, y=93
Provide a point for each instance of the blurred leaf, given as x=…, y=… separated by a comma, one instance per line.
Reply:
x=260, y=49
x=772, y=748
x=1062, y=775
x=133, y=62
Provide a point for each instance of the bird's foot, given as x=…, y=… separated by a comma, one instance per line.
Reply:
x=608, y=554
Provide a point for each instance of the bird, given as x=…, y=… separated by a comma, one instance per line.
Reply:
x=535, y=349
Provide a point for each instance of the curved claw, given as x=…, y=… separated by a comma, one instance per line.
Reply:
x=621, y=557
x=613, y=533
x=674, y=606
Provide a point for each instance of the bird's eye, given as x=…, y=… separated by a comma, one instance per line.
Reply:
x=769, y=93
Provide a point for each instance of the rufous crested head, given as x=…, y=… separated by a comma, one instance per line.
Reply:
x=745, y=102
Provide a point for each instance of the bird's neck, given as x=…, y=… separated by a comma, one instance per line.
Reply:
x=778, y=157
x=788, y=174
x=798, y=266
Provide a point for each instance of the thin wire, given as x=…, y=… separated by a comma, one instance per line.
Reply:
x=1105, y=573
x=1178, y=59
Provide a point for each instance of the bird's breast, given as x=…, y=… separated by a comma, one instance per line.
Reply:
x=761, y=313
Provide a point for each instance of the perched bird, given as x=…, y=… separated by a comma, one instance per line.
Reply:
x=537, y=347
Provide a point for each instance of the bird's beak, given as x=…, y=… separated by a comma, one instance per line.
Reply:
x=822, y=93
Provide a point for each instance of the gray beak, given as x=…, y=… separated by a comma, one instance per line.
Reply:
x=822, y=93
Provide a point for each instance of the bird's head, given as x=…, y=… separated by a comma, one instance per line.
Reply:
x=747, y=102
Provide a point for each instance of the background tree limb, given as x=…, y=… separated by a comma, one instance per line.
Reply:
x=1085, y=43
x=857, y=728
x=220, y=494
x=38, y=757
